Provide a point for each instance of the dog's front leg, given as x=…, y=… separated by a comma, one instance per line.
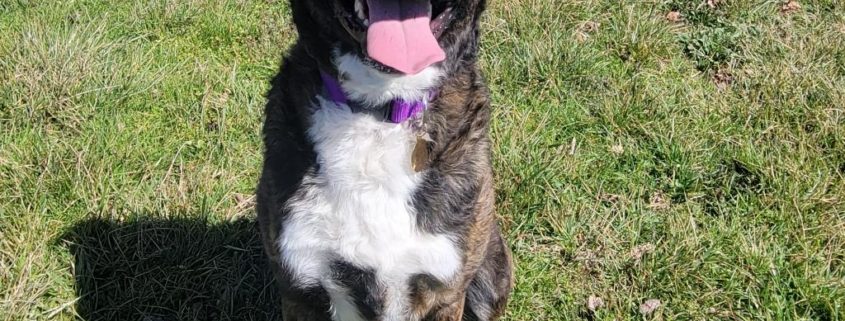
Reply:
x=295, y=310
x=451, y=312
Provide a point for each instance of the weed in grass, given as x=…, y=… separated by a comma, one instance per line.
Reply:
x=712, y=48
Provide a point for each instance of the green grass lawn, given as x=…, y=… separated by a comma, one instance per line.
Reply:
x=691, y=152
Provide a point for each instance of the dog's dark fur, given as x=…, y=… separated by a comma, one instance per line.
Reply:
x=455, y=197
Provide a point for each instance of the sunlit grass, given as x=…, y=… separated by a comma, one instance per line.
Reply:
x=697, y=162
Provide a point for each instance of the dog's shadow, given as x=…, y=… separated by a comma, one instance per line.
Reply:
x=171, y=269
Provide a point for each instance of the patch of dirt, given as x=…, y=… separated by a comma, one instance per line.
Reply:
x=582, y=33
x=594, y=303
x=674, y=16
x=723, y=79
x=638, y=251
x=589, y=26
x=649, y=306
x=589, y=260
x=659, y=201
x=790, y=7
x=610, y=199
x=617, y=149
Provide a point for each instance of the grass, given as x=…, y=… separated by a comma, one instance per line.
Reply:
x=698, y=162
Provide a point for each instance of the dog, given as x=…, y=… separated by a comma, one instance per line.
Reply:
x=376, y=197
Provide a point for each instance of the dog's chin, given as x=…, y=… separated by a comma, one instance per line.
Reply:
x=367, y=81
x=376, y=66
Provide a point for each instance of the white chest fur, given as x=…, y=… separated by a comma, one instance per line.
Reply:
x=356, y=208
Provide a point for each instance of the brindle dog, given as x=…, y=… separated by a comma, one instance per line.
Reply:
x=366, y=216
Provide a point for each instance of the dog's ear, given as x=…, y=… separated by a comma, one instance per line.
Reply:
x=314, y=24
x=308, y=15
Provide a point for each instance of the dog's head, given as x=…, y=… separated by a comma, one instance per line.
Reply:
x=394, y=37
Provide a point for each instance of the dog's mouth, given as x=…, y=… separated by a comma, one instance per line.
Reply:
x=400, y=35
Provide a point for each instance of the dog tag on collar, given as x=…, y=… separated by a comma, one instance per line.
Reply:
x=419, y=157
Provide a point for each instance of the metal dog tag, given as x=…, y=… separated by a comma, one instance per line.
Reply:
x=419, y=157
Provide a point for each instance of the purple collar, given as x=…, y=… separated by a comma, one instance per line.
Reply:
x=400, y=109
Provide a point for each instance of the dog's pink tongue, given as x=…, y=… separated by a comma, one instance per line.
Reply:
x=399, y=35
